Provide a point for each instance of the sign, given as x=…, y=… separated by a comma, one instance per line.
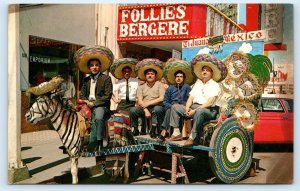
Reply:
x=161, y=22
x=35, y=41
x=251, y=42
x=284, y=73
x=33, y=58
x=228, y=38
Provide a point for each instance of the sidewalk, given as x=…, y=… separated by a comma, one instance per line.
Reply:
x=46, y=162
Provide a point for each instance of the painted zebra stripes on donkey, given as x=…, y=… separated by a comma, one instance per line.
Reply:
x=64, y=121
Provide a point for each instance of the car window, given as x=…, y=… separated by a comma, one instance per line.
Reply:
x=273, y=105
x=289, y=104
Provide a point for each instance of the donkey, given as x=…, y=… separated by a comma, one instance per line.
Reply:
x=65, y=122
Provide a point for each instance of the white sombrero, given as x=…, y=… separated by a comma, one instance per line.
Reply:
x=118, y=65
x=84, y=54
x=218, y=67
x=174, y=65
x=149, y=63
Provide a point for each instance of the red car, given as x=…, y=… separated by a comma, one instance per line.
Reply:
x=275, y=120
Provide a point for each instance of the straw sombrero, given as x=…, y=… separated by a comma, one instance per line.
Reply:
x=45, y=87
x=84, y=54
x=118, y=65
x=149, y=63
x=218, y=67
x=174, y=65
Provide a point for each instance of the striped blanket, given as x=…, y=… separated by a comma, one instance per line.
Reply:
x=118, y=129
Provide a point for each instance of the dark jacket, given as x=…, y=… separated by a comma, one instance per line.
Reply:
x=103, y=90
x=176, y=95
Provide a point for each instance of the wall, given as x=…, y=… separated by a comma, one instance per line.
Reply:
x=69, y=23
x=82, y=24
x=286, y=57
x=108, y=17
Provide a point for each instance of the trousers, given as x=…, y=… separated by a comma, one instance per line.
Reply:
x=157, y=116
x=200, y=117
x=99, y=118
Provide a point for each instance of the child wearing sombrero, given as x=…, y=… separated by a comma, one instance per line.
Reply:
x=96, y=89
x=150, y=95
x=201, y=102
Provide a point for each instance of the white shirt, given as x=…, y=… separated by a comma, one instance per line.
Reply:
x=92, y=96
x=202, y=92
x=120, y=88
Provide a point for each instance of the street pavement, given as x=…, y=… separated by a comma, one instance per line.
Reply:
x=48, y=165
x=45, y=161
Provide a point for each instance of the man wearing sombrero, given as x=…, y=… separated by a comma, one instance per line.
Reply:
x=149, y=96
x=96, y=89
x=179, y=74
x=201, y=102
x=124, y=91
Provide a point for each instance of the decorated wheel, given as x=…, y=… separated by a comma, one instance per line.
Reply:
x=232, y=155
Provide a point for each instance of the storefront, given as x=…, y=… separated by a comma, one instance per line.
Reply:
x=49, y=58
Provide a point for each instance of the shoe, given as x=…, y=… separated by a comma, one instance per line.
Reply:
x=163, y=137
x=175, y=138
x=189, y=142
x=143, y=133
x=130, y=137
x=135, y=132
x=152, y=132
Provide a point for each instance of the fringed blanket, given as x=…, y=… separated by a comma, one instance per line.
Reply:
x=118, y=131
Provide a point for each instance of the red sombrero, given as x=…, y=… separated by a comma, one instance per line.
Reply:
x=84, y=54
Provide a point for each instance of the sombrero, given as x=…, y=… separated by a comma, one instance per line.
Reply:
x=118, y=65
x=218, y=67
x=149, y=63
x=84, y=54
x=45, y=87
x=174, y=65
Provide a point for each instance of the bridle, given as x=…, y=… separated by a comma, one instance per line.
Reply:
x=43, y=104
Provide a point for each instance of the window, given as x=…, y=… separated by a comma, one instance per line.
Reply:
x=289, y=104
x=273, y=105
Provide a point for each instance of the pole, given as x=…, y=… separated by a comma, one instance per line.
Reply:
x=274, y=75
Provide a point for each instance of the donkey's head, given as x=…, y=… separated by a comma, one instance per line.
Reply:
x=42, y=108
x=44, y=105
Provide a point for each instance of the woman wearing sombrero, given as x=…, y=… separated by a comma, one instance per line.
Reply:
x=150, y=95
x=96, y=89
x=201, y=102
x=179, y=74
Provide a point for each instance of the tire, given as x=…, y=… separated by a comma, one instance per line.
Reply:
x=232, y=155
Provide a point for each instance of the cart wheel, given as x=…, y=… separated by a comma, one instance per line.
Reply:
x=232, y=155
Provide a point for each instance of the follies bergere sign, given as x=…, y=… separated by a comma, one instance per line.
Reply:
x=161, y=22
